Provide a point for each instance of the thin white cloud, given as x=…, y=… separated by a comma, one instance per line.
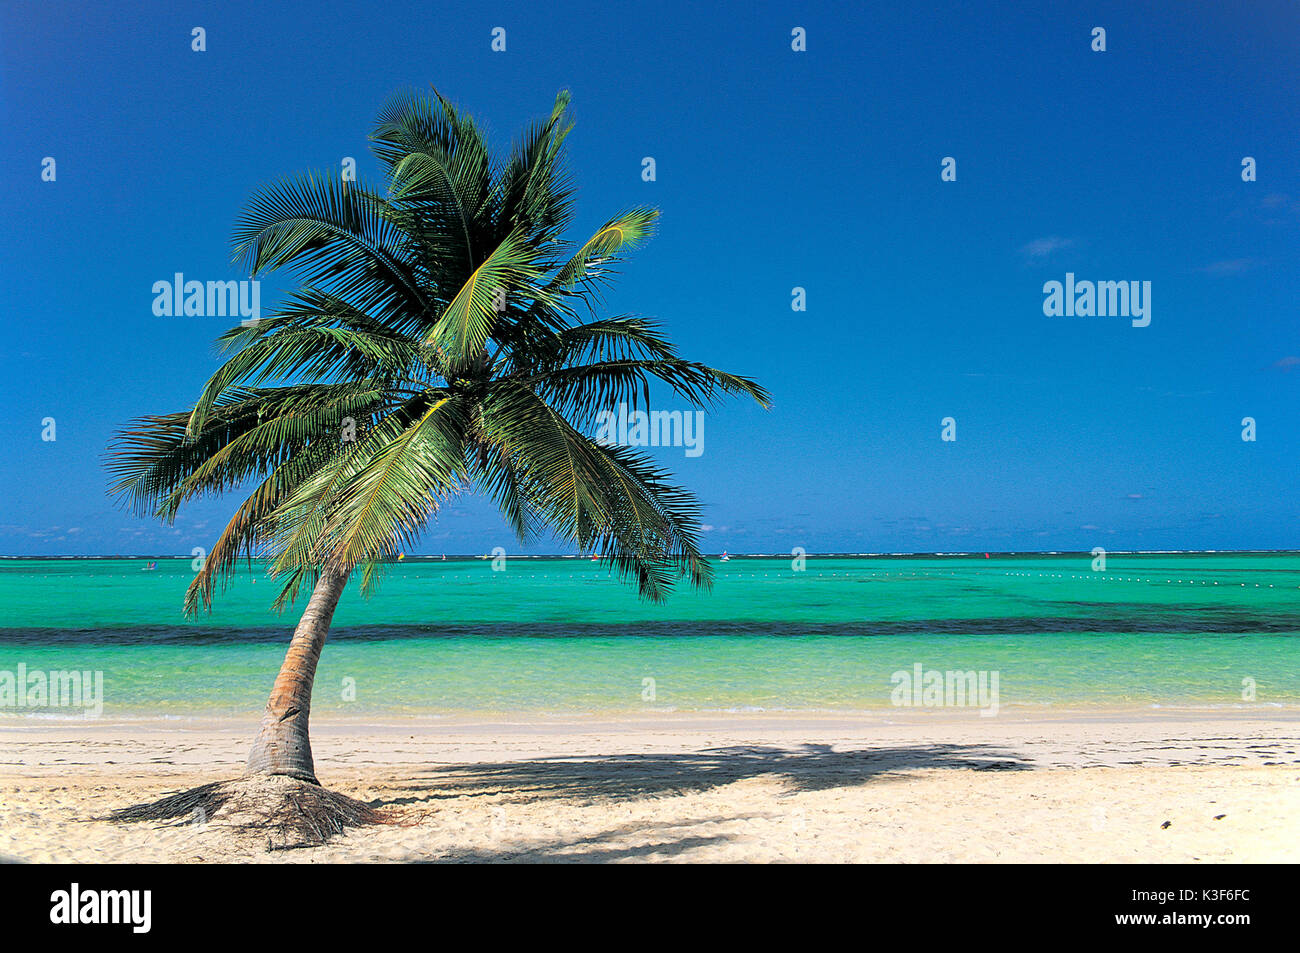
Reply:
x=1230, y=266
x=1041, y=248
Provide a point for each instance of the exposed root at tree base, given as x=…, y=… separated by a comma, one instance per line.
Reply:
x=291, y=813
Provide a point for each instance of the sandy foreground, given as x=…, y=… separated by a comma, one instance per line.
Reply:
x=1112, y=787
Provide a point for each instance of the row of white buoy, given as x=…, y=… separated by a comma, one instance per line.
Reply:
x=1104, y=577
x=1107, y=577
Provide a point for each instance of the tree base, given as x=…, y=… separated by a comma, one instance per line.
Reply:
x=291, y=813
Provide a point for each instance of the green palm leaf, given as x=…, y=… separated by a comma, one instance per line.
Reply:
x=467, y=322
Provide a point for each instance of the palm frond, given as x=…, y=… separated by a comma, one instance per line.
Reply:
x=467, y=322
x=607, y=500
x=623, y=232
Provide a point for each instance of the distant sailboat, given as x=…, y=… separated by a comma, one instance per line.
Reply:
x=724, y=557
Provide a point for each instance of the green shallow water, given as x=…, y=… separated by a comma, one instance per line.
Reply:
x=561, y=636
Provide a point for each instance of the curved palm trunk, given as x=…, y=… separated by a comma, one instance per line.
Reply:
x=282, y=745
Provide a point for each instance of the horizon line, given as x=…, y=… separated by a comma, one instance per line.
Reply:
x=809, y=555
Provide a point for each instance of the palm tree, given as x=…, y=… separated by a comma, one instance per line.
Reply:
x=445, y=339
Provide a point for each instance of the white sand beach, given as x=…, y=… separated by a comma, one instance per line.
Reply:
x=1112, y=786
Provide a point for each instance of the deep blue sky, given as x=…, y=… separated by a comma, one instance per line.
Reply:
x=775, y=169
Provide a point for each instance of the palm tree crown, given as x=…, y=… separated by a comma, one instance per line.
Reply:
x=445, y=338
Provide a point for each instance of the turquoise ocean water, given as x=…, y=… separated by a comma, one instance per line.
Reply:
x=561, y=636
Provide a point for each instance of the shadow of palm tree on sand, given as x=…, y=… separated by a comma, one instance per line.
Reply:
x=623, y=778
x=620, y=777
